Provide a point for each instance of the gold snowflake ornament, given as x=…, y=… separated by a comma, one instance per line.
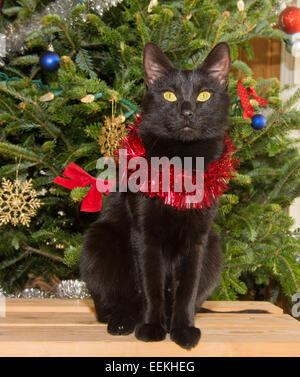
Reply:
x=18, y=202
x=111, y=134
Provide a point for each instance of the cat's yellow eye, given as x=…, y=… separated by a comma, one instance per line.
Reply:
x=170, y=96
x=203, y=96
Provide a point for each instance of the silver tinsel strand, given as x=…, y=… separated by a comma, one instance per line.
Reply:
x=75, y=289
x=15, y=34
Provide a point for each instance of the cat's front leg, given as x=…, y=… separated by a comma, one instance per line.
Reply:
x=153, y=327
x=183, y=332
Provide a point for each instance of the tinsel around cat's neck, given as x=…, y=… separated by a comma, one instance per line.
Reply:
x=216, y=175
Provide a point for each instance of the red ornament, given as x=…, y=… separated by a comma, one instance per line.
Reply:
x=243, y=94
x=289, y=20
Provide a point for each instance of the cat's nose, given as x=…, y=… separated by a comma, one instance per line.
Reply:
x=186, y=110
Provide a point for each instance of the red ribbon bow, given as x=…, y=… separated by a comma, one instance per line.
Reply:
x=248, y=108
x=92, y=202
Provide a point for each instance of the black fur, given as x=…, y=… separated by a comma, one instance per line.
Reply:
x=149, y=266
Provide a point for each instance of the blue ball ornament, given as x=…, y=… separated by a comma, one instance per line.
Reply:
x=258, y=122
x=49, y=61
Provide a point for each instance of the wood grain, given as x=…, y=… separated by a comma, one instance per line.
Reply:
x=69, y=328
x=267, y=56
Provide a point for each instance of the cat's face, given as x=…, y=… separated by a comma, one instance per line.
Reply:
x=186, y=105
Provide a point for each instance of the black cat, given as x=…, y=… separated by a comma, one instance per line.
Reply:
x=149, y=266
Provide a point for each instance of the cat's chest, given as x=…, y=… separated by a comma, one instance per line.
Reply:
x=172, y=225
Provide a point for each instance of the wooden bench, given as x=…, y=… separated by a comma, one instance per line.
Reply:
x=53, y=327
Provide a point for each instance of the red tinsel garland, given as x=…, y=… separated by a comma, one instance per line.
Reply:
x=216, y=176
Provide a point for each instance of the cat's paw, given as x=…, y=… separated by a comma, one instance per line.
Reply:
x=149, y=332
x=186, y=337
x=120, y=324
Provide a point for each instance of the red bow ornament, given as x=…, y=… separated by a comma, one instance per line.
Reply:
x=77, y=177
x=247, y=106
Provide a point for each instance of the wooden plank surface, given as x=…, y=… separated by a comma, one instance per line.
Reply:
x=69, y=328
x=86, y=306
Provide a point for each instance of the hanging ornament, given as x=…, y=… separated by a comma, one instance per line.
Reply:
x=18, y=202
x=49, y=61
x=111, y=134
x=77, y=177
x=258, y=121
x=289, y=20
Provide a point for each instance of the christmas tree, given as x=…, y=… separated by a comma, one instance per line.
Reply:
x=77, y=112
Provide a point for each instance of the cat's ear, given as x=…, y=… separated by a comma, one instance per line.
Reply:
x=156, y=64
x=217, y=63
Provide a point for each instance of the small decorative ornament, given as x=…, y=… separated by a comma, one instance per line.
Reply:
x=49, y=61
x=258, y=121
x=289, y=20
x=77, y=177
x=18, y=202
x=111, y=134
